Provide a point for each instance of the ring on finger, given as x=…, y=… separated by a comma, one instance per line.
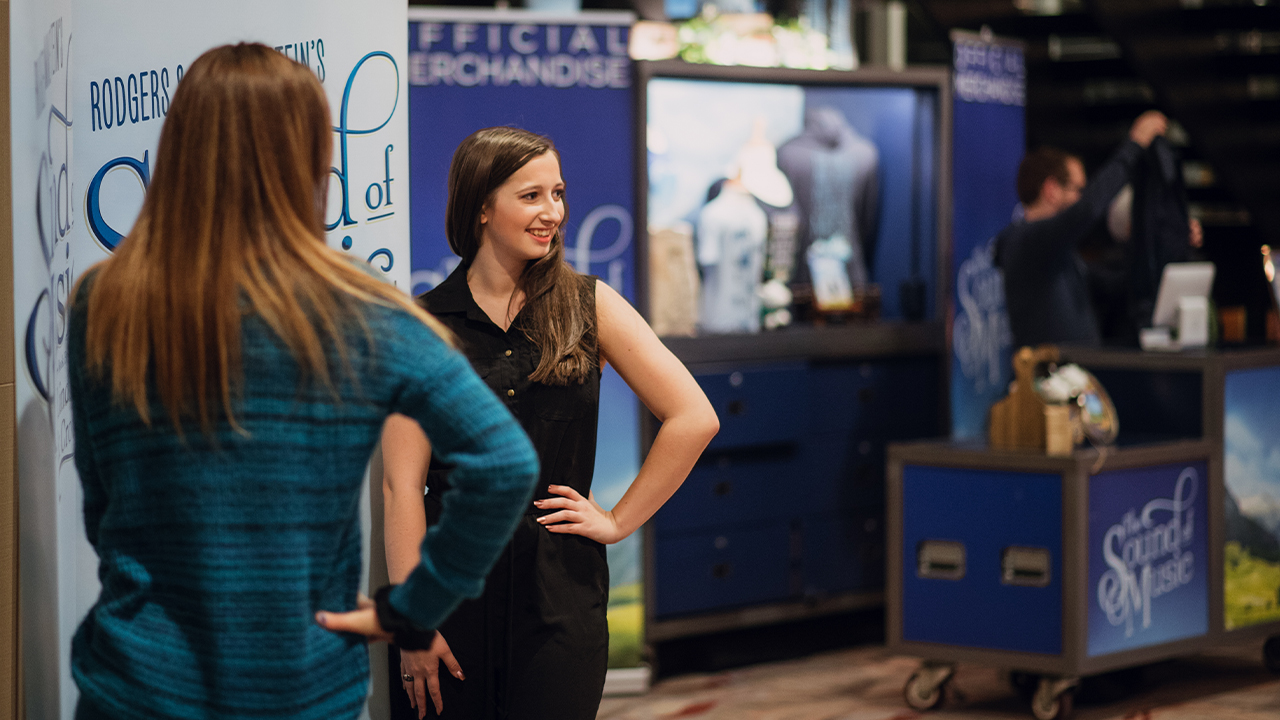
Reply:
x=406, y=677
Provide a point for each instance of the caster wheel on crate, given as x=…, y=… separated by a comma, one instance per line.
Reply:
x=1271, y=654
x=926, y=687
x=1054, y=698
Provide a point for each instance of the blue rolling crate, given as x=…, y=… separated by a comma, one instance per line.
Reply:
x=1056, y=567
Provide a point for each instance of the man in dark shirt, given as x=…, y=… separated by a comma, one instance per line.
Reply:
x=1045, y=283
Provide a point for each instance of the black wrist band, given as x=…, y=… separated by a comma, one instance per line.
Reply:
x=407, y=635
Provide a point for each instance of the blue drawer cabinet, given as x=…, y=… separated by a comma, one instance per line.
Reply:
x=867, y=399
x=846, y=474
x=905, y=404
x=787, y=503
x=729, y=490
x=715, y=570
x=757, y=405
x=843, y=552
x=840, y=395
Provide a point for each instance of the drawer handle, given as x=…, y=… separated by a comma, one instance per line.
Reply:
x=940, y=560
x=1025, y=566
x=737, y=407
x=721, y=571
x=722, y=488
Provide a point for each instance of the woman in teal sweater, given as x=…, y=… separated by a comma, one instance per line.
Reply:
x=230, y=377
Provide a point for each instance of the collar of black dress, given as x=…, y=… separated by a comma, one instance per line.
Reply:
x=454, y=296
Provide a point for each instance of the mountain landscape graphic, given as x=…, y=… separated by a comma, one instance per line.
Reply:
x=1255, y=524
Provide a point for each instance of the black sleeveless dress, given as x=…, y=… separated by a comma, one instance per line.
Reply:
x=536, y=643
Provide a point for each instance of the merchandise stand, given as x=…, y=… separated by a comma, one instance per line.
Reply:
x=1110, y=558
x=783, y=517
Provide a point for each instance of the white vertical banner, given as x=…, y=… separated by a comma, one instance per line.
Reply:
x=51, y=539
x=91, y=83
x=131, y=55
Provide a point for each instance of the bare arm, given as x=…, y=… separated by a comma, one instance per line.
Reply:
x=405, y=455
x=665, y=387
x=494, y=470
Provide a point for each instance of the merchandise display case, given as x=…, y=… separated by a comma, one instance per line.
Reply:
x=795, y=224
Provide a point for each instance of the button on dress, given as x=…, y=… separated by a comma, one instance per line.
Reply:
x=535, y=644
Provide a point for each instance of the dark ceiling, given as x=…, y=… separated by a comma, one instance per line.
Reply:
x=1093, y=65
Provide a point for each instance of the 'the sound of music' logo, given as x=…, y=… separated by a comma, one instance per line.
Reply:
x=1148, y=555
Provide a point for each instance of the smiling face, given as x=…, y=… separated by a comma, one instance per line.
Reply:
x=520, y=219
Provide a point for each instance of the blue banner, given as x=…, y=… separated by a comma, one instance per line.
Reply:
x=570, y=81
x=1148, y=556
x=568, y=78
x=988, y=139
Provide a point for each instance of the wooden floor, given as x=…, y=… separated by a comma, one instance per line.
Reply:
x=866, y=684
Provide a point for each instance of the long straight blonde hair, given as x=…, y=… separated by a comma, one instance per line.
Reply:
x=233, y=222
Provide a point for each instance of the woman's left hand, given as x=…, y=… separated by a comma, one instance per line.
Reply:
x=578, y=516
x=361, y=621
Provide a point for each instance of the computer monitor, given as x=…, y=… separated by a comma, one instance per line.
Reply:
x=1191, y=279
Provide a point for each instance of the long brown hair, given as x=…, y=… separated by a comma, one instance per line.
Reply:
x=233, y=222
x=553, y=316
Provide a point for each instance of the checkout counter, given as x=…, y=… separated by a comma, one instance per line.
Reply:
x=1160, y=545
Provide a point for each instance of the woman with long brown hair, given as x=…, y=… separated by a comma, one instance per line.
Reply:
x=230, y=376
x=535, y=645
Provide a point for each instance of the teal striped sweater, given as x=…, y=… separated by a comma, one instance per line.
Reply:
x=214, y=559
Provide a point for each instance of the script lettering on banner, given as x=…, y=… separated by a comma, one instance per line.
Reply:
x=357, y=197
x=44, y=340
x=1149, y=586
x=981, y=332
